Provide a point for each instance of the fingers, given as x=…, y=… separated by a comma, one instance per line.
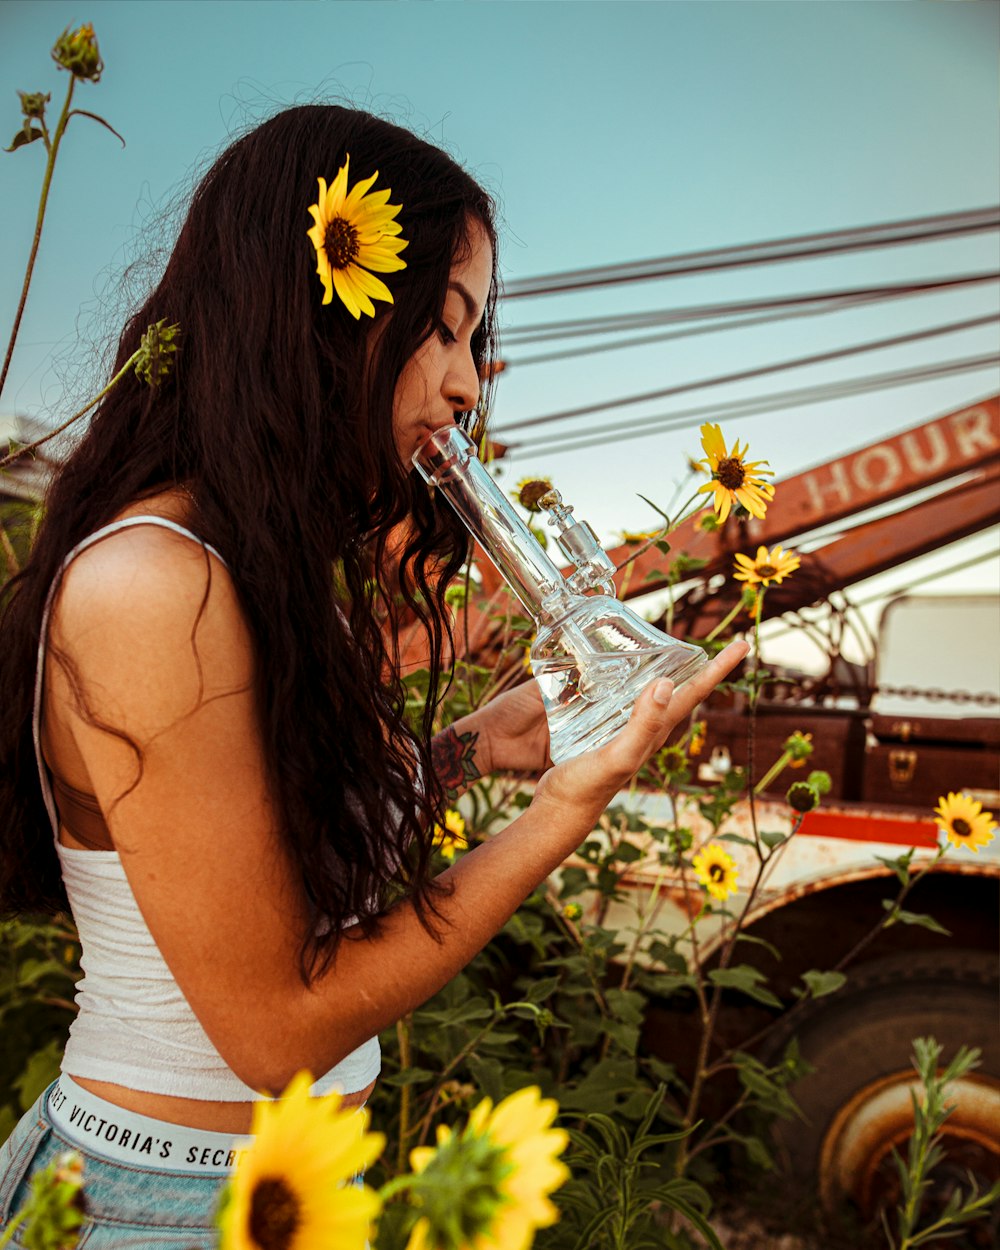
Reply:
x=701, y=686
x=660, y=708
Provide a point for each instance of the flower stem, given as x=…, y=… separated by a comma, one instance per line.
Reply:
x=15, y=1223
x=13, y=564
x=726, y=620
x=780, y=764
x=23, y=451
x=405, y=1059
x=53, y=150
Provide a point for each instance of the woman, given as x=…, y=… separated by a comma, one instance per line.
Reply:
x=226, y=791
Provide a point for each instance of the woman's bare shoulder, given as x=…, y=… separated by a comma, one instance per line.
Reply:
x=148, y=615
x=149, y=573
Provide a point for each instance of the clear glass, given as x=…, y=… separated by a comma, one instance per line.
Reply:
x=592, y=655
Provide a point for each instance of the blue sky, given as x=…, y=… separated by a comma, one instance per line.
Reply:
x=609, y=132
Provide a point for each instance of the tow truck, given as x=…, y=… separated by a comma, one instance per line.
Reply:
x=915, y=719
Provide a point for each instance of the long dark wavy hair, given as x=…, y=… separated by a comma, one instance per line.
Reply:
x=278, y=415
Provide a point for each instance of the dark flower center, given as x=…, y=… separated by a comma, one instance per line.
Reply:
x=274, y=1214
x=340, y=242
x=766, y=570
x=961, y=827
x=731, y=473
x=717, y=872
x=531, y=492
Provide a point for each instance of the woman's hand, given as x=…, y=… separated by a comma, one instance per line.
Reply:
x=514, y=732
x=510, y=732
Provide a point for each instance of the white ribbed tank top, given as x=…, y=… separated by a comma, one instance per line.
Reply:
x=134, y=1026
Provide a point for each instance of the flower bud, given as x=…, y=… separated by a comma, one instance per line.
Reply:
x=33, y=103
x=708, y=523
x=802, y=797
x=799, y=747
x=155, y=356
x=530, y=490
x=78, y=52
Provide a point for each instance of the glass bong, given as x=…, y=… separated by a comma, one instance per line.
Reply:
x=592, y=656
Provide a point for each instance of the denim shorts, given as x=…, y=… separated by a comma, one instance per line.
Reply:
x=129, y=1206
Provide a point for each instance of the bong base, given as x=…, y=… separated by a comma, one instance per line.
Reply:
x=578, y=724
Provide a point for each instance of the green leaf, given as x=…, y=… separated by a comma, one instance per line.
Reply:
x=95, y=118
x=40, y=1071
x=410, y=1076
x=663, y=514
x=628, y=852
x=736, y=837
x=465, y=1013
x=573, y=881
x=900, y=865
x=772, y=839
x=488, y=1075
x=747, y=981
x=912, y=917
x=759, y=941
x=601, y=1087
x=821, y=983
x=27, y=134
x=542, y=989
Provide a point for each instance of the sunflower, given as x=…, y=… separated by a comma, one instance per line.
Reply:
x=355, y=232
x=962, y=818
x=529, y=490
x=292, y=1187
x=487, y=1187
x=733, y=480
x=716, y=870
x=766, y=567
x=451, y=838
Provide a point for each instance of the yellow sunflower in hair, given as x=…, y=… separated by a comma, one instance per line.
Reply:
x=766, y=567
x=734, y=480
x=294, y=1186
x=962, y=819
x=355, y=232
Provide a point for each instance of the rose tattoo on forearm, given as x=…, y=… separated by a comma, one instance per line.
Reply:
x=453, y=756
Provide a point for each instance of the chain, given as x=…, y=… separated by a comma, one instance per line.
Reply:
x=936, y=694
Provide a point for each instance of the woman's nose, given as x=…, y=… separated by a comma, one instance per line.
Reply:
x=463, y=386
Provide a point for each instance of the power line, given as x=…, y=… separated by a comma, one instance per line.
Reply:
x=623, y=430
x=622, y=322
x=800, y=247
x=786, y=311
x=743, y=375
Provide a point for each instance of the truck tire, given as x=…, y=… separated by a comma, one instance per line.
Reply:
x=856, y=1103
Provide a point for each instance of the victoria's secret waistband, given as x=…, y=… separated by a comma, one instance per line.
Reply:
x=127, y=1137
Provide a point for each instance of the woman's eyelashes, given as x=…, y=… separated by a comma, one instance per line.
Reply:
x=447, y=336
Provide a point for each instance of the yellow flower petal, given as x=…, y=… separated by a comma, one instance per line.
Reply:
x=305, y=1155
x=964, y=823
x=716, y=870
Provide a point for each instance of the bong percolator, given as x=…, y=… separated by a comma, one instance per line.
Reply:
x=592, y=656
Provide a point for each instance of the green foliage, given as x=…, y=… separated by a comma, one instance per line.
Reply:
x=51, y=1217
x=39, y=968
x=914, y=1226
x=623, y=1195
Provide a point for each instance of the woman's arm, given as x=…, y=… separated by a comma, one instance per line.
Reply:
x=201, y=842
x=510, y=732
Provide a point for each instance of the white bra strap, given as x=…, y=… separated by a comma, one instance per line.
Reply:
x=36, y=716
